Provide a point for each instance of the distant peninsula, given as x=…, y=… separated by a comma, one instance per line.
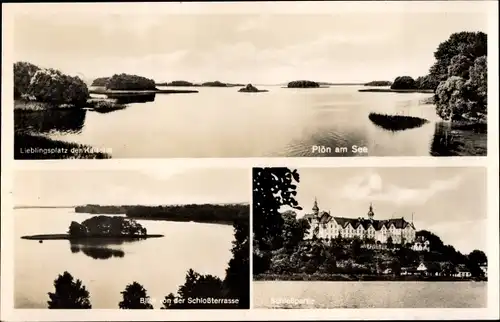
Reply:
x=202, y=213
x=100, y=227
x=378, y=83
x=303, y=84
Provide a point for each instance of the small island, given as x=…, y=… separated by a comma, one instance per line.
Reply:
x=303, y=84
x=100, y=227
x=251, y=89
x=121, y=85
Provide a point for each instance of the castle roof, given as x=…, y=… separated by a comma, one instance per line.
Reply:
x=399, y=223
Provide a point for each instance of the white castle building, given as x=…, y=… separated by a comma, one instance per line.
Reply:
x=325, y=226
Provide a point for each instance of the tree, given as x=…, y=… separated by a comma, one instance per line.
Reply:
x=273, y=188
x=396, y=267
x=435, y=243
x=69, y=294
x=294, y=229
x=100, y=81
x=450, y=102
x=469, y=44
x=135, y=297
x=426, y=82
x=459, y=66
x=403, y=82
x=237, y=281
x=477, y=86
x=53, y=87
x=390, y=243
x=356, y=248
x=76, y=229
x=195, y=286
x=23, y=72
x=478, y=257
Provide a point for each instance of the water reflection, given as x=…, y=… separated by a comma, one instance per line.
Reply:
x=47, y=121
x=459, y=140
x=100, y=248
x=127, y=99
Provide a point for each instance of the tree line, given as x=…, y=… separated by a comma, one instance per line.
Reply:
x=48, y=85
x=233, y=290
x=210, y=213
x=458, y=77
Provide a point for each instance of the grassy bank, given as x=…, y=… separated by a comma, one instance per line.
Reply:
x=68, y=237
x=352, y=278
x=396, y=122
x=388, y=90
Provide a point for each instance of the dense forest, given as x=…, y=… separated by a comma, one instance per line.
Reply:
x=177, y=83
x=207, y=213
x=280, y=248
x=231, y=292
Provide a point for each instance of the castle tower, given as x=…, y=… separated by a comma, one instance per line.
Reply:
x=370, y=212
x=315, y=208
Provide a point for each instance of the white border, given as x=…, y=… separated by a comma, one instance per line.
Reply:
x=8, y=165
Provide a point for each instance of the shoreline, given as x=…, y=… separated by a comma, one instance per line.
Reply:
x=118, y=93
x=68, y=237
x=359, y=278
x=388, y=90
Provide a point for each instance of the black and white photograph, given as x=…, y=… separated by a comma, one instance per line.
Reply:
x=153, y=239
x=370, y=238
x=159, y=84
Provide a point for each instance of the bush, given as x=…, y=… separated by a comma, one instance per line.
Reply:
x=52, y=86
x=129, y=82
x=23, y=72
x=403, y=82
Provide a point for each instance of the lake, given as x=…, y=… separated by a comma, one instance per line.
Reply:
x=159, y=264
x=320, y=294
x=221, y=122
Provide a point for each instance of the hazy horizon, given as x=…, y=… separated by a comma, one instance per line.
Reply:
x=429, y=194
x=197, y=185
x=352, y=47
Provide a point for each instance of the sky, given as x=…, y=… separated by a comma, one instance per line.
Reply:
x=257, y=48
x=120, y=187
x=450, y=202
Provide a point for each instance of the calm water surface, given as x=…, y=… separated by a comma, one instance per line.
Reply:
x=220, y=122
x=320, y=294
x=159, y=264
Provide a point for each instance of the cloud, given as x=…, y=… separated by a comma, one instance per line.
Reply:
x=371, y=188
